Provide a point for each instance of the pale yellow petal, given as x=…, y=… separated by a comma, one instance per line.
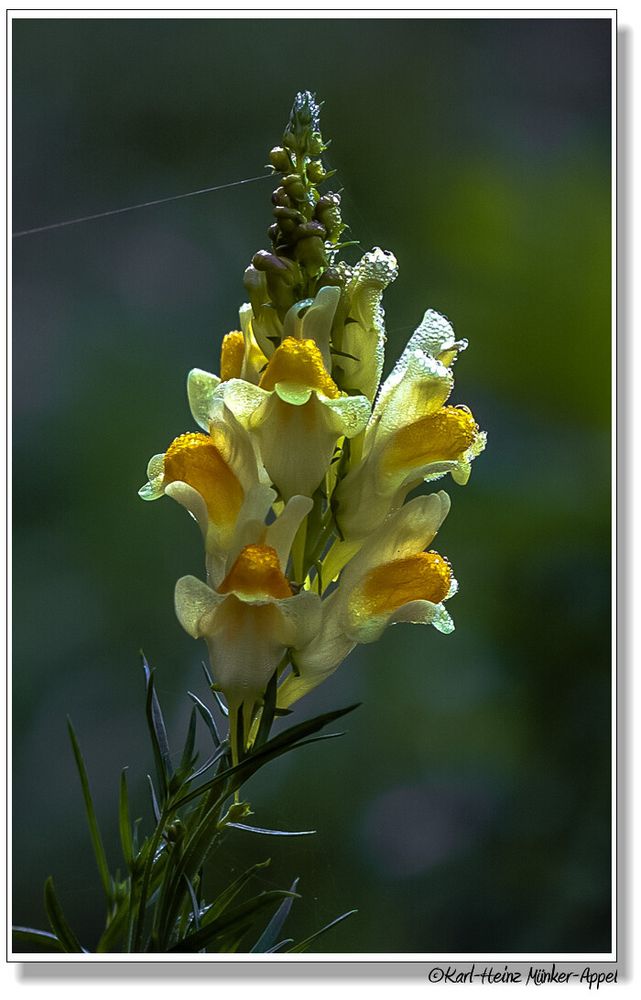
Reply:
x=281, y=532
x=154, y=488
x=297, y=443
x=317, y=660
x=417, y=387
x=195, y=605
x=202, y=395
x=246, y=401
x=191, y=500
x=317, y=321
x=435, y=335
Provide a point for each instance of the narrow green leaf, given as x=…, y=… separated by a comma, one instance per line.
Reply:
x=279, y=946
x=221, y=903
x=269, y=708
x=207, y=717
x=209, y=763
x=157, y=730
x=135, y=835
x=271, y=833
x=187, y=759
x=43, y=940
x=229, y=921
x=242, y=771
x=304, y=945
x=154, y=800
x=94, y=830
x=269, y=936
x=289, y=739
x=124, y=820
x=113, y=937
x=295, y=733
x=195, y=908
x=221, y=704
x=59, y=925
x=208, y=677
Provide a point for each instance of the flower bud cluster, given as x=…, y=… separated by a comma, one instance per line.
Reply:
x=300, y=474
x=307, y=227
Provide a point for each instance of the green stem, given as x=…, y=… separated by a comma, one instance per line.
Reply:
x=324, y=535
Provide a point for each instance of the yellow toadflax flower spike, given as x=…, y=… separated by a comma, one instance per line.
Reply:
x=298, y=425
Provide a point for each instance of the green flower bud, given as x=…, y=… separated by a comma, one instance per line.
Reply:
x=256, y=286
x=310, y=252
x=328, y=211
x=281, y=197
x=282, y=212
x=279, y=158
x=315, y=145
x=316, y=172
x=294, y=186
x=302, y=134
x=269, y=262
x=281, y=289
x=311, y=229
x=288, y=227
x=175, y=832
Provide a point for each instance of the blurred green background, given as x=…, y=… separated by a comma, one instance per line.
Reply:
x=468, y=808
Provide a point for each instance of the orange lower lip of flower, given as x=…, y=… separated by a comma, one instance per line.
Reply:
x=257, y=574
x=299, y=362
x=442, y=436
x=194, y=459
x=232, y=353
x=426, y=576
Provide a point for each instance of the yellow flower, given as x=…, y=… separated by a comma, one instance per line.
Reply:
x=391, y=579
x=412, y=435
x=216, y=477
x=296, y=414
x=307, y=319
x=250, y=615
x=240, y=355
x=232, y=355
x=360, y=339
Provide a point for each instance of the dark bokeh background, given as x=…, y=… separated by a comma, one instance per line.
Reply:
x=468, y=808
